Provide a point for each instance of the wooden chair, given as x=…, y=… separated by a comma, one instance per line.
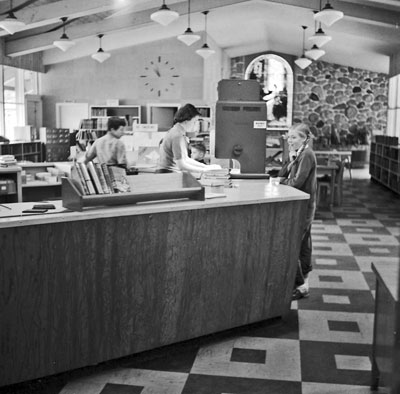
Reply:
x=357, y=160
x=324, y=184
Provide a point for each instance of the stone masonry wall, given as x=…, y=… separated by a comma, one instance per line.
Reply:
x=343, y=105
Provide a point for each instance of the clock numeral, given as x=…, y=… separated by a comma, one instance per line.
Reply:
x=144, y=76
x=159, y=93
x=159, y=59
x=175, y=76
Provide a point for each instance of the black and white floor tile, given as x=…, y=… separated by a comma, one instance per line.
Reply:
x=322, y=346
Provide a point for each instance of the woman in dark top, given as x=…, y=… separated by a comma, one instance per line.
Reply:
x=301, y=172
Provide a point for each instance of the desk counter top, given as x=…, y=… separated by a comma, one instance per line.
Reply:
x=244, y=192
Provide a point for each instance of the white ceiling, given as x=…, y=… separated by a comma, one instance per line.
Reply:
x=365, y=38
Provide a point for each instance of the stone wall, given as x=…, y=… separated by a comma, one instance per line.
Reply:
x=343, y=105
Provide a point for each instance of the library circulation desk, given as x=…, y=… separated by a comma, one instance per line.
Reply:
x=80, y=288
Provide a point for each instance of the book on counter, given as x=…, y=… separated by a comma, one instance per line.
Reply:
x=7, y=160
x=96, y=178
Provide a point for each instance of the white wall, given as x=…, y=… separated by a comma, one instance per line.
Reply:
x=85, y=80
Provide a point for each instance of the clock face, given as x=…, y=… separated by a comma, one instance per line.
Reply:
x=160, y=78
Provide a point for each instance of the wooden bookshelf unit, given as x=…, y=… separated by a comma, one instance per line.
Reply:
x=384, y=162
x=130, y=112
x=12, y=173
x=32, y=151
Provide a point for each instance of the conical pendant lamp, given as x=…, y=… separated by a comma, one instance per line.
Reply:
x=205, y=51
x=11, y=24
x=188, y=37
x=164, y=16
x=302, y=61
x=64, y=43
x=328, y=16
x=100, y=55
x=315, y=53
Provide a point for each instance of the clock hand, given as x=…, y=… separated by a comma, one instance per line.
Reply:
x=157, y=72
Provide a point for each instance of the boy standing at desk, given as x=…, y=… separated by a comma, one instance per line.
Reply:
x=110, y=149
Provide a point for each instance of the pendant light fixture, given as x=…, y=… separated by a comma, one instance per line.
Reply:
x=100, y=55
x=302, y=61
x=328, y=16
x=319, y=38
x=205, y=51
x=11, y=24
x=164, y=16
x=64, y=43
x=188, y=37
x=315, y=53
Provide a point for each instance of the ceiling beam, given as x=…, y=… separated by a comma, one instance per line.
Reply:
x=47, y=14
x=73, y=8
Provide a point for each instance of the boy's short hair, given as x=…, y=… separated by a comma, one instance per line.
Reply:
x=115, y=122
x=199, y=146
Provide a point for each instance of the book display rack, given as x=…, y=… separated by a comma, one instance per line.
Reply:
x=143, y=187
x=384, y=162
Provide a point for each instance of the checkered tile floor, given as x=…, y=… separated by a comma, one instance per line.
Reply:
x=322, y=346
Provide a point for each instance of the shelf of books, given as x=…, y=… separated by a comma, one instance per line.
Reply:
x=95, y=184
x=101, y=113
x=31, y=151
x=384, y=162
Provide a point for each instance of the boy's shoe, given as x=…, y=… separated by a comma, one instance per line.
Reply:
x=299, y=293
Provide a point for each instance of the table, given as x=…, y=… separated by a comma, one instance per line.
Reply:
x=329, y=169
x=385, y=347
x=329, y=153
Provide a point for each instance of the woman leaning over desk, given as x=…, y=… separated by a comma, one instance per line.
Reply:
x=174, y=155
x=301, y=172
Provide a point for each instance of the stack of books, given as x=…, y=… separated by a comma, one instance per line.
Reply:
x=7, y=160
x=96, y=178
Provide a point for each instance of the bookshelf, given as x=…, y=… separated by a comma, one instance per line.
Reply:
x=13, y=193
x=130, y=112
x=47, y=188
x=162, y=114
x=32, y=151
x=384, y=162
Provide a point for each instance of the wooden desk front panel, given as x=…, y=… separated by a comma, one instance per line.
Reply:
x=384, y=333
x=79, y=293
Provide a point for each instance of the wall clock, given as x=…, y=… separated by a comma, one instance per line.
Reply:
x=160, y=78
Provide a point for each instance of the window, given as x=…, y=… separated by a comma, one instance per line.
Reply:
x=276, y=80
x=16, y=83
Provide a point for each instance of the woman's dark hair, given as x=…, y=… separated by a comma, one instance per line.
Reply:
x=115, y=123
x=187, y=112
